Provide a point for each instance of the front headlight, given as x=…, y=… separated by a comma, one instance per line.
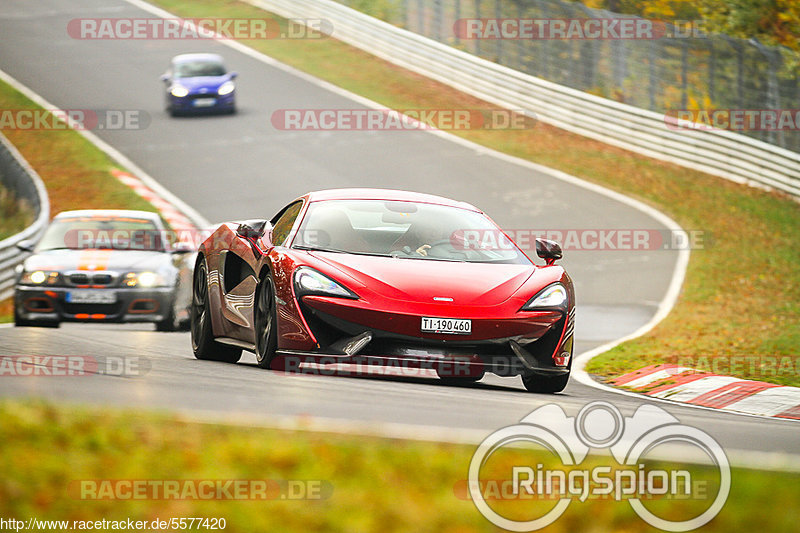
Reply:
x=552, y=296
x=39, y=277
x=179, y=91
x=226, y=88
x=308, y=281
x=143, y=279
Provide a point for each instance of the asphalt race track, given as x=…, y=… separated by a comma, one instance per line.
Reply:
x=237, y=167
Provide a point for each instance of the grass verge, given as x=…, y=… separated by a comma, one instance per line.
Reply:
x=17, y=215
x=75, y=172
x=742, y=291
x=372, y=484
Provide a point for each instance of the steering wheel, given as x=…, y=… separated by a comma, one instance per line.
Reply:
x=441, y=242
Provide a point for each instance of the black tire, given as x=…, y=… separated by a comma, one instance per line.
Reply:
x=185, y=325
x=22, y=323
x=203, y=344
x=169, y=323
x=545, y=384
x=266, y=322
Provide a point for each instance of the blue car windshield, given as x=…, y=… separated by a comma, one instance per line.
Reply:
x=194, y=69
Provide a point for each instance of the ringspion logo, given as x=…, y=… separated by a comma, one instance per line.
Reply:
x=598, y=425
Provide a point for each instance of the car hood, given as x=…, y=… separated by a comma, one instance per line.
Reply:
x=421, y=280
x=211, y=83
x=111, y=260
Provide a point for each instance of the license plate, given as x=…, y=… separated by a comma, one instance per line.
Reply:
x=454, y=326
x=91, y=297
x=205, y=102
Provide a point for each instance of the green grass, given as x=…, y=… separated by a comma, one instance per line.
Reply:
x=741, y=296
x=16, y=214
x=75, y=172
x=374, y=484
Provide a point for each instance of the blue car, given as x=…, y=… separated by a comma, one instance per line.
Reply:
x=198, y=83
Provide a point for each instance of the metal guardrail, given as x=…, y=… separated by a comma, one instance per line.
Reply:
x=721, y=153
x=24, y=183
x=676, y=66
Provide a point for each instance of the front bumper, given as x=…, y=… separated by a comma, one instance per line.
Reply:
x=188, y=104
x=49, y=304
x=527, y=343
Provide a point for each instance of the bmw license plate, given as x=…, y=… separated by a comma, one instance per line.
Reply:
x=205, y=102
x=91, y=297
x=453, y=326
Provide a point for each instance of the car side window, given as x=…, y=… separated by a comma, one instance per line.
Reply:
x=284, y=224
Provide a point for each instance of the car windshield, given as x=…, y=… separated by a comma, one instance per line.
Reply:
x=193, y=69
x=108, y=233
x=407, y=230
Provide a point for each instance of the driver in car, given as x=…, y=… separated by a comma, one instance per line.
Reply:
x=420, y=236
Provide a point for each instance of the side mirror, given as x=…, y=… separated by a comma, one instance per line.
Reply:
x=182, y=247
x=233, y=75
x=164, y=78
x=548, y=250
x=26, y=246
x=251, y=229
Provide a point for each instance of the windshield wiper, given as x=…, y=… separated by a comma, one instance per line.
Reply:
x=335, y=250
x=318, y=249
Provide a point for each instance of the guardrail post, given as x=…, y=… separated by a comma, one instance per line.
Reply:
x=456, y=18
x=712, y=67
x=651, y=70
x=477, y=16
x=684, y=74
x=437, y=20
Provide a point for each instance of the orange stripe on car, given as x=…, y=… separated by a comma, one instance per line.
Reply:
x=94, y=259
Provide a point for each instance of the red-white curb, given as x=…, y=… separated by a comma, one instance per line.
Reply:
x=177, y=220
x=683, y=384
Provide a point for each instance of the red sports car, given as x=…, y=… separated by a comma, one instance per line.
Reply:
x=372, y=278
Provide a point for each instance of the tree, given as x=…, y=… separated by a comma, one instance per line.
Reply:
x=772, y=22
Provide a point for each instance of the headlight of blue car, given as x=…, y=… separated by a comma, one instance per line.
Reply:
x=179, y=91
x=226, y=88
